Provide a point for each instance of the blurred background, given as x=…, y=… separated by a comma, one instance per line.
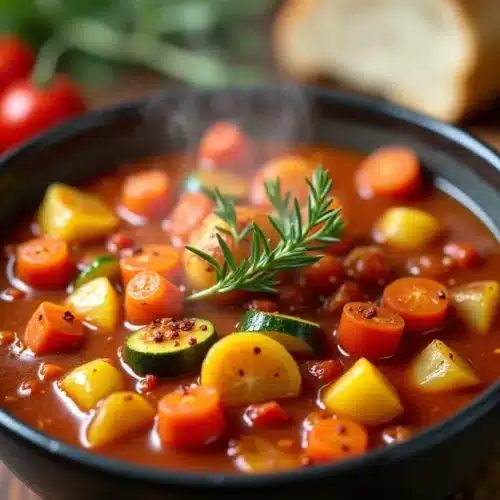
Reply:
x=440, y=57
x=59, y=58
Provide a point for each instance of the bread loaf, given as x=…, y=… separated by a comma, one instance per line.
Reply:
x=439, y=57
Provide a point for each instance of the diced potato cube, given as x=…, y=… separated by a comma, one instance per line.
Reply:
x=96, y=302
x=406, y=228
x=91, y=382
x=476, y=304
x=363, y=394
x=118, y=415
x=437, y=369
x=73, y=215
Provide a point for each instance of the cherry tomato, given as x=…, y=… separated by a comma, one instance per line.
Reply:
x=16, y=61
x=463, y=254
x=366, y=330
x=349, y=291
x=368, y=264
x=270, y=414
x=26, y=110
x=421, y=302
x=429, y=265
x=325, y=275
x=318, y=373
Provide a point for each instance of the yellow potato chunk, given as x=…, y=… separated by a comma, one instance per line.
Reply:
x=476, y=304
x=250, y=368
x=119, y=415
x=437, y=369
x=91, y=382
x=406, y=228
x=363, y=394
x=73, y=215
x=97, y=303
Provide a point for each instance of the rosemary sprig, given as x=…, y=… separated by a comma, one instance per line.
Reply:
x=298, y=237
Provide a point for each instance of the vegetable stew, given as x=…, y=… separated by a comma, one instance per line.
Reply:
x=189, y=312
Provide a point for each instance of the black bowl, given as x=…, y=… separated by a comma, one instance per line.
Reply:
x=429, y=466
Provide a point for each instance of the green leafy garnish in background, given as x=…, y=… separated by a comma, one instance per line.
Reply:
x=194, y=41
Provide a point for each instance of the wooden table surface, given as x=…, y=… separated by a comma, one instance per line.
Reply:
x=485, y=125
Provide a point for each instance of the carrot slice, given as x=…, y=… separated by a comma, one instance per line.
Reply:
x=188, y=214
x=44, y=263
x=223, y=145
x=163, y=259
x=53, y=328
x=190, y=417
x=389, y=171
x=147, y=193
x=366, y=330
x=421, y=302
x=149, y=296
x=292, y=171
x=335, y=439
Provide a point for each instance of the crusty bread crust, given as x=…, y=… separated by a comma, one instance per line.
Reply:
x=475, y=81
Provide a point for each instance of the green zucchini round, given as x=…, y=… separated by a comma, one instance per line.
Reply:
x=296, y=334
x=169, y=348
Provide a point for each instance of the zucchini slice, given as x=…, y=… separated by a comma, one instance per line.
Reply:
x=106, y=266
x=169, y=347
x=229, y=184
x=296, y=334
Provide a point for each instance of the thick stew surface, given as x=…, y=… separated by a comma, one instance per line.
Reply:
x=393, y=329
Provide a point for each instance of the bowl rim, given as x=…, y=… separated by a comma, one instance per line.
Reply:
x=431, y=436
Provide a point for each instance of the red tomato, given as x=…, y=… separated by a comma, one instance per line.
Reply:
x=268, y=414
x=463, y=254
x=325, y=275
x=26, y=110
x=16, y=61
x=318, y=373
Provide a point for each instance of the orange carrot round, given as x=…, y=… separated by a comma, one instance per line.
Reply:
x=335, y=439
x=53, y=328
x=163, y=259
x=190, y=417
x=149, y=296
x=223, y=145
x=292, y=171
x=147, y=193
x=369, y=331
x=44, y=263
x=389, y=171
x=188, y=214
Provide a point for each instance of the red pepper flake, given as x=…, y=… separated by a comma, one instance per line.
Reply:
x=345, y=448
x=68, y=316
x=176, y=343
x=128, y=397
x=369, y=313
x=192, y=340
x=257, y=350
x=203, y=328
x=341, y=429
x=241, y=373
x=136, y=251
x=147, y=384
x=40, y=317
x=158, y=336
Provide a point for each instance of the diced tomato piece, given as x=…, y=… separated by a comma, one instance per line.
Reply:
x=463, y=254
x=319, y=373
x=223, y=145
x=268, y=414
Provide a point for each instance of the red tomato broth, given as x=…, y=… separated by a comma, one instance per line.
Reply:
x=50, y=413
